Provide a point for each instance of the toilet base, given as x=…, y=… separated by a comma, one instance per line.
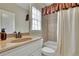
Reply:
x=48, y=51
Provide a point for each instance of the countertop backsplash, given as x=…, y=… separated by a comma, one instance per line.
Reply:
x=13, y=35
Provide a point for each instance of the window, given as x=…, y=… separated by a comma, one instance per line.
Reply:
x=36, y=19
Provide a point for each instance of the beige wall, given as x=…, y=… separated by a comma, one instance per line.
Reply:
x=50, y=27
x=21, y=24
x=45, y=27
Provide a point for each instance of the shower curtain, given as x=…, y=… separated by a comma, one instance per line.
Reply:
x=67, y=30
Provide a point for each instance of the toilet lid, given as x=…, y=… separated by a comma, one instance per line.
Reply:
x=48, y=50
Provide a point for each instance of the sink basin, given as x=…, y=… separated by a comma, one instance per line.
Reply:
x=20, y=40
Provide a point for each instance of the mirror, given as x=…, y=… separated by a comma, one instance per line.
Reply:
x=7, y=21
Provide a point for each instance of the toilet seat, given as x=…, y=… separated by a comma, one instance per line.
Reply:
x=48, y=51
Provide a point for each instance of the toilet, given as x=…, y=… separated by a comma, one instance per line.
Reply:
x=49, y=48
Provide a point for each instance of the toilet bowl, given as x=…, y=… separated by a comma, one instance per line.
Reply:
x=46, y=51
x=49, y=48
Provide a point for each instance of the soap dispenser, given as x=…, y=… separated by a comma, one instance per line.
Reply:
x=15, y=34
x=19, y=35
x=3, y=34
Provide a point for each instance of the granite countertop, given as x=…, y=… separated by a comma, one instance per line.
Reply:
x=8, y=44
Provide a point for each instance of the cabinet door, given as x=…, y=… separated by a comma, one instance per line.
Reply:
x=25, y=50
x=37, y=52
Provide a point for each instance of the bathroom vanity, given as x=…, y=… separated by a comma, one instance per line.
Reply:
x=21, y=46
x=13, y=20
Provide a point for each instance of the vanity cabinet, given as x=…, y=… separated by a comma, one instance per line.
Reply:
x=29, y=49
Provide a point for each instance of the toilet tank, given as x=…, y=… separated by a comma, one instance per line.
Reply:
x=51, y=44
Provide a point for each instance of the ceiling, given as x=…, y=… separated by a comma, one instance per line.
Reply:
x=26, y=5
x=23, y=5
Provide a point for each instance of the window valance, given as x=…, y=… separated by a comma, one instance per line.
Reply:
x=58, y=6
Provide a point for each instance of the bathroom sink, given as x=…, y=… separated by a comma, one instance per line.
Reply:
x=19, y=40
